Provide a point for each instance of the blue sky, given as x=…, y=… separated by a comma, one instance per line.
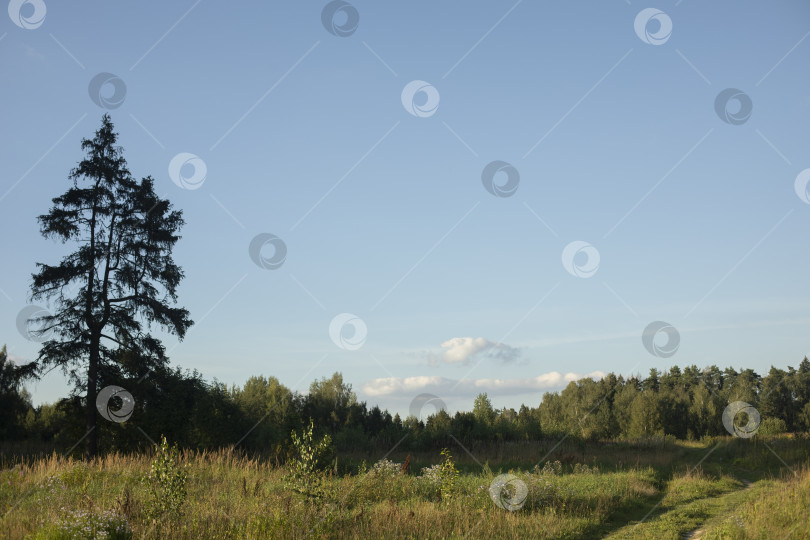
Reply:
x=614, y=135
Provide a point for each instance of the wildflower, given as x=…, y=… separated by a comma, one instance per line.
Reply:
x=385, y=467
x=431, y=475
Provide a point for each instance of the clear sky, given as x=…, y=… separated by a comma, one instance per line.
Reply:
x=612, y=125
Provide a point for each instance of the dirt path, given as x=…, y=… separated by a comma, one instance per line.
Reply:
x=699, y=532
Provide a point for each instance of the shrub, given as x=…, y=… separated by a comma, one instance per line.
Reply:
x=309, y=462
x=166, y=483
x=772, y=426
x=448, y=475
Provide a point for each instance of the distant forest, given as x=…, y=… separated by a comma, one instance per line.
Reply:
x=259, y=416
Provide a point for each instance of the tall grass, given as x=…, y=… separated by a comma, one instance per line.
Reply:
x=593, y=491
x=782, y=510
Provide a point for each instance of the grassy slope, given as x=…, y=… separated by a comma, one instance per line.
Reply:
x=780, y=510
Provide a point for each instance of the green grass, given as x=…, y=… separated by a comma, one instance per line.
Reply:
x=626, y=491
x=781, y=509
x=690, y=500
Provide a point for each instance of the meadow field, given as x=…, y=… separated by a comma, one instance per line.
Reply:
x=658, y=488
x=331, y=271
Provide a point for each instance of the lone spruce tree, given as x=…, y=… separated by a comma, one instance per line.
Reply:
x=118, y=283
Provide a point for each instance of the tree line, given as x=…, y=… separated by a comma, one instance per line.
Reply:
x=260, y=415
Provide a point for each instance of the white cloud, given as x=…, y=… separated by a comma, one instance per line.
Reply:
x=444, y=387
x=461, y=350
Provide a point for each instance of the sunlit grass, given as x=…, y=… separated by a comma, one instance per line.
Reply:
x=607, y=489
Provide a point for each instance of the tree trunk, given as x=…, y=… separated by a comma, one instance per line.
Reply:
x=91, y=445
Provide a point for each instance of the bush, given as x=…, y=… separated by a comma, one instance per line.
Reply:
x=772, y=426
x=448, y=475
x=166, y=483
x=309, y=462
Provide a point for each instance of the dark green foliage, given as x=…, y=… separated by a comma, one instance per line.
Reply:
x=331, y=403
x=270, y=409
x=259, y=416
x=119, y=281
x=192, y=412
x=14, y=400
